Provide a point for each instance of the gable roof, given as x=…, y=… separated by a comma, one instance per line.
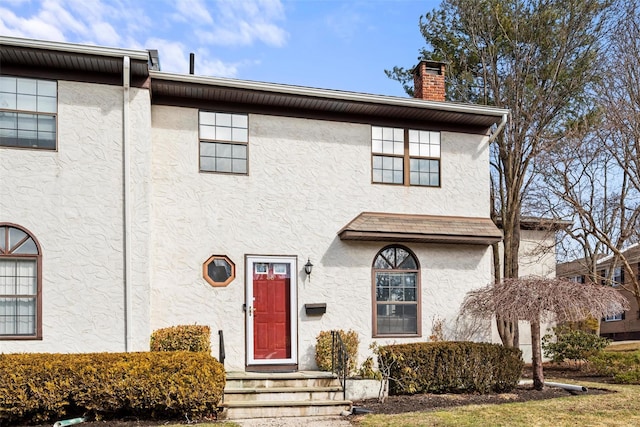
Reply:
x=382, y=227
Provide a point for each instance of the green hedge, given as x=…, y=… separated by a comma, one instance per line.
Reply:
x=48, y=387
x=572, y=344
x=622, y=367
x=182, y=338
x=450, y=367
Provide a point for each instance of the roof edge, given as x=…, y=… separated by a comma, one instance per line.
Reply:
x=330, y=93
x=142, y=55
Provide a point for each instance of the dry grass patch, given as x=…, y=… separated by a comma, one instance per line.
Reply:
x=627, y=346
x=614, y=409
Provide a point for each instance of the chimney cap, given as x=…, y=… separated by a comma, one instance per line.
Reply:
x=429, y=64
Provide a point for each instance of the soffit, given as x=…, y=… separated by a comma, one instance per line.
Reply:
x=175, y=87
x=68, y=56
x=385, y=227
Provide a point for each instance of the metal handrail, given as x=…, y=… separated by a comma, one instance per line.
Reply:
x=221, y=347
x=339, y=361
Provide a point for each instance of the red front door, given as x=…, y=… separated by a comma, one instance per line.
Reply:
x=272, y=311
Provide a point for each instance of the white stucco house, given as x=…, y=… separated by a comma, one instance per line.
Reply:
x=133, y=199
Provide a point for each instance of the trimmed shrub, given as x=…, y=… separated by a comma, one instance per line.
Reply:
x=621, y=367
x=450, y=367
x=572, y=344
x=182, y=338
x=323, y=349
x=45, y=387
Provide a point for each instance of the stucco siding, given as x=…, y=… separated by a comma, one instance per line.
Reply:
x=71, y=200
x=307, y=179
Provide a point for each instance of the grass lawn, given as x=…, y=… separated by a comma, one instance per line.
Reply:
x=615, y=409
x=625, y=346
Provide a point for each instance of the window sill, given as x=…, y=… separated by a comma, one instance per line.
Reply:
x=20, y=338
x=397, y=336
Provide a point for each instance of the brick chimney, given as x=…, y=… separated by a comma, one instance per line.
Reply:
x=428, y=81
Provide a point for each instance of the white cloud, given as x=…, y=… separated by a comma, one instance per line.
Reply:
x=105, y=34
x=101, y=22
x=174, y=58
x=192, y=11
x=164, y=25
x=245, y=22
x=33, y=27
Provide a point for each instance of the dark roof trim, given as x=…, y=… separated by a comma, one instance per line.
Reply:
x=385, y=227
x=73, y=57
x=170, y=88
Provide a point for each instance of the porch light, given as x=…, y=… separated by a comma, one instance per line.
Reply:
x=308, y=267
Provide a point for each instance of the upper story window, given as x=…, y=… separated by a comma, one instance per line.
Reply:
x=20, y=282
x=224, y=139
x=617, y=277
x=405, y=156
x=28, y=109
x=396, y=285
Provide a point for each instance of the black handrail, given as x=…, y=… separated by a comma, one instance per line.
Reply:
x=339, y=361
x=221, y=345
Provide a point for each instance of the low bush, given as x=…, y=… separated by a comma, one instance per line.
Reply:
x=572, y=344
x=182, y=338
x=622, y=367
x=450, y=367
x=44, y=387
x=324, y=345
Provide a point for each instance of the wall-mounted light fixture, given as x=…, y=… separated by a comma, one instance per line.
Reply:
x=308, y=267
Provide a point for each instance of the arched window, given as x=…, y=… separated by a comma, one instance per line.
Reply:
x=20, y=284
x=396, y=282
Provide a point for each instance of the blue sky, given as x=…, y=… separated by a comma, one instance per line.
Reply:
x=331, y=44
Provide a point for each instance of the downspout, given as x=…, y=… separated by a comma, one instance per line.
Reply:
x=126, y=177
x=503, y=122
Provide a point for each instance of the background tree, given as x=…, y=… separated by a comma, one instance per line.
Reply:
x=591, y=172
x=537, y=58
x=539, y=299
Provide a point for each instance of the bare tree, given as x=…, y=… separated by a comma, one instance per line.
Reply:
x=591, y=171
x=537, y=58
x=539, y=299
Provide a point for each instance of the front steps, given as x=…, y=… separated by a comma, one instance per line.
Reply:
x=294, y=394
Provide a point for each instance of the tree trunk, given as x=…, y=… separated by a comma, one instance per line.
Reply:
x=536, y=356
x=508, y=330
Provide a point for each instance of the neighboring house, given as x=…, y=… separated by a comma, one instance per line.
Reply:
x=133, y=199
x=621, y=326
x=536, y=257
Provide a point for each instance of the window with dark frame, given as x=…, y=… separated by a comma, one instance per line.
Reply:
x=19, y=284
x=405, y=156
x=28, y=110
x=397, y=292
x=614, y=318
x=224, y=139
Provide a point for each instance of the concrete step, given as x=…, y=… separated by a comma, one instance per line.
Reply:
x=240, y=410
x=237, y=380
x=282, y=394
x=291, y=394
